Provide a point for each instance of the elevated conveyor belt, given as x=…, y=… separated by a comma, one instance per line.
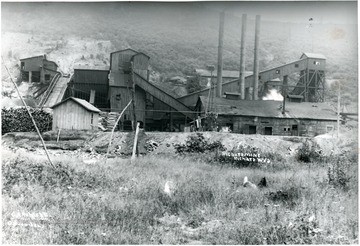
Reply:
x=298, y=66
x=55, y=91
x=163, y=96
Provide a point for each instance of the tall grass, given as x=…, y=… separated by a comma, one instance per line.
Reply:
x=123, y=203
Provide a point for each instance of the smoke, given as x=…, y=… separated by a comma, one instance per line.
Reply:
x=273, y=94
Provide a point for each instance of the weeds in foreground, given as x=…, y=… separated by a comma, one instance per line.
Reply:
x=120, y=203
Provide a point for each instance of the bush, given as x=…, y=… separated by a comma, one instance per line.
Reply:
x=339, y=173
x=18, y=120
x=198, y=144
x=309, y=152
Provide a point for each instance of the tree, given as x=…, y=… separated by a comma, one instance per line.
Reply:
x=193, y=84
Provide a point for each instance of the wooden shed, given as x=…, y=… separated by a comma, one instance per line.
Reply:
x=75, y=114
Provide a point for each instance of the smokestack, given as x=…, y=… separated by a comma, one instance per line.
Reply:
x=242, y=58
x=285, y=80
x=220, y=52
x=256, y=59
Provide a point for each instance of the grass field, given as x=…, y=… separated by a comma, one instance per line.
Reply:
x=119, y=202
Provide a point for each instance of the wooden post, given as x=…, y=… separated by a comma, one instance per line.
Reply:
x=28, y=111
x=133, y=96
x=92, y=97
x=171, y=120
x=135, y=142
x=58, y=136
x=112, y=131
x=338, y=113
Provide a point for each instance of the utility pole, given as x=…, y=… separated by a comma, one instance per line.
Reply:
x=242, y=58
x=256, y=59
x=133, y=96
x=220, y=54
x=135, y=126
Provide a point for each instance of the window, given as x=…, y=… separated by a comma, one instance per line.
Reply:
x=259, y=77
x=92, y=119
x=277, y=71
x=47, y=77
x=22, y=65
x=118, y=97
x=296, y=65
x=316, y=63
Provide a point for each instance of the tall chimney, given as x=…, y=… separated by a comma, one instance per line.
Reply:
x=220, y=52
x=256, y=59
x=242, y=58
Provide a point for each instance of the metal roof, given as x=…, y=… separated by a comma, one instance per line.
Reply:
x=85, y=67
x=81, y=102
x=313, y=55
x=31, y=57
x=271, y=109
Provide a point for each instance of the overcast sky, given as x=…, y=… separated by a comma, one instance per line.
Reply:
x=342, y=12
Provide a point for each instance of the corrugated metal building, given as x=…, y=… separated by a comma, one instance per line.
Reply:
x=37, y=69
x=75, y=114
x=267, y=118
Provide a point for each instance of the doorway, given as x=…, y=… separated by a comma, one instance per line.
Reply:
x=294, y=130
x=268, y=130
x=252, y=129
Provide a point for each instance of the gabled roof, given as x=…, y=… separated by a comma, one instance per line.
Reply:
x=140, y=53
x=31, y=57
x=271, y=109
x=118, y=51
x=81, y=102
x=313, y=55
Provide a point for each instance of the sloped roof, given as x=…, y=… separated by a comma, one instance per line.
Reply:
x=31, y=57
x=85, y=67
x=225, y=73
x=313, y=55
x=271, y=109
x=81, y=102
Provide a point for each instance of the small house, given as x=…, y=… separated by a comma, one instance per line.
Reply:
x=75, y=114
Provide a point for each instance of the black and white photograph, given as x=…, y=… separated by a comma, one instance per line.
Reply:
x=191, y=123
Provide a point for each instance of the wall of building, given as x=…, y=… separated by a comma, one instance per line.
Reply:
x=120, y=97
x=32, y=64
x=71, y=115
x=278, y=126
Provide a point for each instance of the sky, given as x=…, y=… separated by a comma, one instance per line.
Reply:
x=337, y=12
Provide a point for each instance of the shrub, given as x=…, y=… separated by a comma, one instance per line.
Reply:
x=338, y=173
x=18, y=120
x=309, y=152
x=198, y=144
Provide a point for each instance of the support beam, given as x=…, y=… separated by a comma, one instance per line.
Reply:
x=256, y=59
x=220, y=54
x=242, y=58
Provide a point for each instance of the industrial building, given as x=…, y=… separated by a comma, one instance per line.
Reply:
x=37, y=69
x=110, y=88
x=269, y=117
x=310, y=87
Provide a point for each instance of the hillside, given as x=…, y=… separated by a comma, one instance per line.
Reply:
x=178, y=37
